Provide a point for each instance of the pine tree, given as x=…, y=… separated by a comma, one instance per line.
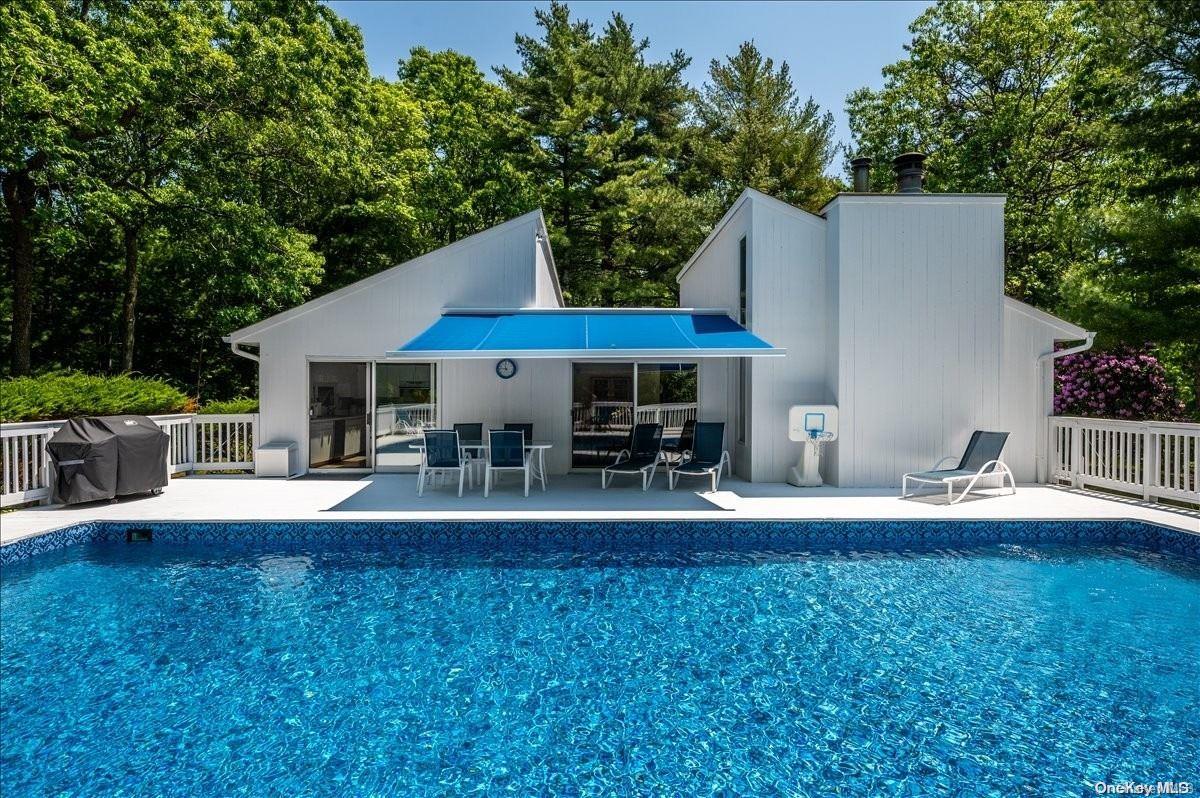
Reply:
x=610, y=128
x=755, y=132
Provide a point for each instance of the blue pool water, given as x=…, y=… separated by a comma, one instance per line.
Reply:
x=189, y=669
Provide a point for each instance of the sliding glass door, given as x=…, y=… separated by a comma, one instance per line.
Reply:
x=609, y=398
x=667, y=395
x=601, y=412
x=337, y=415
x=405, y=406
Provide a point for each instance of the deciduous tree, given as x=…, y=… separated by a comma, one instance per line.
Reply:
x=1143, y=281
x=481, y=156
x=991, y=90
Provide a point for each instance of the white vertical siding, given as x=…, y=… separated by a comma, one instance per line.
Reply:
x=1026, y=388
x=920, y=329
x=545, y=280
x=712, y=282
x=494, y=269
x=788, y=309
x=833, y=345
x=539, y=393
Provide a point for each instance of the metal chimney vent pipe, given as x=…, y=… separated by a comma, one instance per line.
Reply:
x=910, y=172
x=860, y=167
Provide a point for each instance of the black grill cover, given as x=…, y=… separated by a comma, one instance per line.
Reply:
x=106, y=457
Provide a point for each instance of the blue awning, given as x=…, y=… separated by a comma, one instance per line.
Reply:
x=582, y=334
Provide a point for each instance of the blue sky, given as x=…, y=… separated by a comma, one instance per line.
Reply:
x=832, y=47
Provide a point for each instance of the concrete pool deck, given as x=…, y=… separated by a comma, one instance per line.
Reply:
x=382, y=497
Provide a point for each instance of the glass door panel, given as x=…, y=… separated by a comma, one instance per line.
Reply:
x=337, y=415
x=667, y=395
x=601, y=412
x=404, y=408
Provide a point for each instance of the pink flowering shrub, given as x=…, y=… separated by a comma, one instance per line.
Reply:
x=1122, y=383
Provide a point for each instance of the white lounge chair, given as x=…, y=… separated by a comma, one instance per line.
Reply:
x=981, y=460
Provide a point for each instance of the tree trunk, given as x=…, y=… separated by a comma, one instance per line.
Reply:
x=129, y=306
x=20, y=199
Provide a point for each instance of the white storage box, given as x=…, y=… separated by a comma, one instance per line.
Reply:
x=276, y=459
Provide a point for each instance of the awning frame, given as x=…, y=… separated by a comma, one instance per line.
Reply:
x=665, y=354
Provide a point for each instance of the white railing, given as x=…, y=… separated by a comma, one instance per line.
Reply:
x=224, y=442
x=602, y=414
x=399, y=419
x=198, y=443
x=618, y=414
x=671, y=416
x=1155, y=459
x=25, y=465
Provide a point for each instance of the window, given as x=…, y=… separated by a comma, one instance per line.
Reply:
x=667, y=394
x=743, y=400
x=405, y=406
x=742, y=282
x=609, y=398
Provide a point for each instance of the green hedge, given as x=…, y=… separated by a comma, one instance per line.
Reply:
x=67, y=394
x=243, y=404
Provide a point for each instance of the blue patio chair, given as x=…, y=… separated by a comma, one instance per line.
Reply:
x=643, y=456
x=706, y=458
x=442, y=454
x=506, y=452
x=683, y=446
x=471, y=434
x=980, y=461
x=525, y=429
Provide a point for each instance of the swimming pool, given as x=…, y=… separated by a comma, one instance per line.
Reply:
x=620, y=659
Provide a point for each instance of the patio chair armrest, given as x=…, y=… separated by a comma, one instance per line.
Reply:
x=938, y=465
x=1002, y=468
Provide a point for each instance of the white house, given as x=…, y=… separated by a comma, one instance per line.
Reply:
x=890, y=306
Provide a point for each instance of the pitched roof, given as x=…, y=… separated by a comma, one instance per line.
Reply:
x=246, y=333
x=747, y=195
x=1070, y=332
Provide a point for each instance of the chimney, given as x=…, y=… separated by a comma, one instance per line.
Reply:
x=910, y=172
x=861, y=169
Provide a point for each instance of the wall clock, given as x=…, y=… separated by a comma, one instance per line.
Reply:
x=506, y=368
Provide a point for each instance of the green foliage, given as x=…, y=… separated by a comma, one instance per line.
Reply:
x=254, y=159
x=991, y=91
x=755, y=132
x=480, y=151
x=1084, y=114
x=610, y=128
x=66, y=394
x=174, y=170
x=1143, y=279
x=242, y=404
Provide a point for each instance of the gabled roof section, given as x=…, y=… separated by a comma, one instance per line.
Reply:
x=748, y=195
x=544, y=243
x=1067, y=330
x=246, y=334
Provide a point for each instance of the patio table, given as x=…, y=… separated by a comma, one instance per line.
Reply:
x=537, y=448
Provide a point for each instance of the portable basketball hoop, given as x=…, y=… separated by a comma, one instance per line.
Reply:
x=815, y=426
